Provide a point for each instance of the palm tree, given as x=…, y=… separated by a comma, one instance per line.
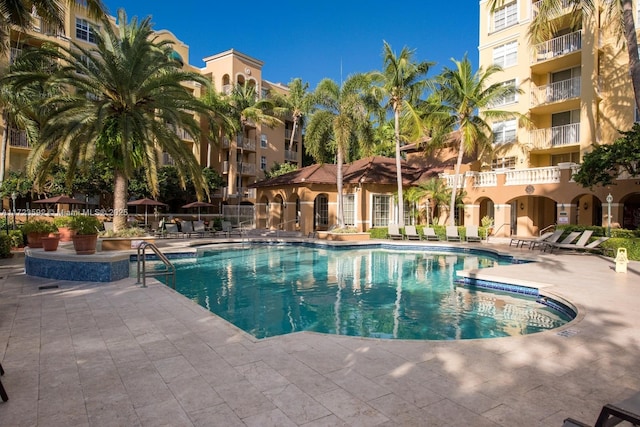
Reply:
x=341, y=121
x=125, y=98
x=464, y=99
x=298, y=102
x=436, y=193
x=19, y=13
x=245, y=110
x=402, y=82
x=619, y=12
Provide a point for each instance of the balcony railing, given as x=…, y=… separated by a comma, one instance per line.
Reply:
x=246, y=143
x=247, y=193
x=291, y=156
x=449, y=178
x=288, y=132
x=546, y=175
x=559, y=46
x=565, y=7
x=246, y=168
x=18, y=138
x=183, y=134
x=554, y=92
x=557, y=136
x=484, y=179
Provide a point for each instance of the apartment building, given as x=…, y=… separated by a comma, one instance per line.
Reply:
x=241, y=160
x=576, y=92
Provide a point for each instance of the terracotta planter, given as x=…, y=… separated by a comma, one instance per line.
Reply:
x=123, y=243
x=66, y=233
x=50, y=243
x=34, y=240
x=85, y=244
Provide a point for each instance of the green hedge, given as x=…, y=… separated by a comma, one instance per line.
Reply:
x=5, y=245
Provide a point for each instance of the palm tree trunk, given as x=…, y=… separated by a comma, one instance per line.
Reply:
x=452, y=203
x=340, y=212
x=293, y=132
x=632, y=48
x=3, y=148
x=120, y=197
x=399, y=169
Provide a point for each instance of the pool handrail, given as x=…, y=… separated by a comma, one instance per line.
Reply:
x=170, y=269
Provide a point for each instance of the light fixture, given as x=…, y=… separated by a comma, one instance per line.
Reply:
x=562, y=208
x=521, y=206
x=586, y=206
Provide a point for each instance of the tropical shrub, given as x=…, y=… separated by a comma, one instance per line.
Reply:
x=85, y=224
x=38, y=226
x=5, y=245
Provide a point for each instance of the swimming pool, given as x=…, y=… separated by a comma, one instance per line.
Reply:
x=270, y=290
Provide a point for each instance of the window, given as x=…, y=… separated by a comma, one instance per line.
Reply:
x=381, y=210
x=508, y=99
x=348, y=209
x=263, y=162
x=504, y=132
x=503, y=163
x=322, y=211
x=505, y=17
x=565, y=158
x=506, y=55
x=85, y=30
x=264, y=143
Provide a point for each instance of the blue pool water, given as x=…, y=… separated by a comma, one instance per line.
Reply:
x=270, y=290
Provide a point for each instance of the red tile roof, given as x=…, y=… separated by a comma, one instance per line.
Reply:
x=374, y=169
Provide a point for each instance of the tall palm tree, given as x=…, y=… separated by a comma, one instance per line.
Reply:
x=19, y=13
x=401, y=83
x=298, y=102
x=619, y=12
x=125, y=98
x=436, y=193
x=464, y=100
x=341, y=121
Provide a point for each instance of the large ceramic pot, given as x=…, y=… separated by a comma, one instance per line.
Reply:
x=85, y=244
x=50, y=243
x=66, y=233
x=34, y=240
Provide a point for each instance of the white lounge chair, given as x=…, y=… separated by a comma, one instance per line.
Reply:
x=394, y=233
x=567, y=240
x=430, y=234
x=472, y=234
x=521, y=241
x=551, y=239
x=452, y=233
x=580, y=244
x=411, y=232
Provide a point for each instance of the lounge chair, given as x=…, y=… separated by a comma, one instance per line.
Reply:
x=394, y=232
x=581, y=242
x=551, y=239
x=520, y=241
x=171, y=230
x=411, y=232
x=430, y=234
x=472, y=234
x=569, y=239
x=613, y=414
x=200, y=229
x=228, y=230
x=591, y=247
x=452, y=234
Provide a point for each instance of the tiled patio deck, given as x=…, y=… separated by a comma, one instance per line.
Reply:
x=116, y=354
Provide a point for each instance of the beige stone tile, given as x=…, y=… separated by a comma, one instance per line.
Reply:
x=273, y=418
x=357, y=384
x=296, y=404
x=351, y=410
x=166, y=413
x=219, y=415
x=194, y=393
x=262, y=376
x=244, y=399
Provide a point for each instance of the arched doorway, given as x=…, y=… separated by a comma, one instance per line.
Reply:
x=321, y=212
x=631, y=211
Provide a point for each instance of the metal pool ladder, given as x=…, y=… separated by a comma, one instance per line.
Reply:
x=168, y=271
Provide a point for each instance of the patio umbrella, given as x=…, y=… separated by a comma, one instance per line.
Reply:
x=197, y=205
x=146, y=202
x=61, y=199
x=57, y=200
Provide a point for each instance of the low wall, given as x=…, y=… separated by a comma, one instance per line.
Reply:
x=64, y=264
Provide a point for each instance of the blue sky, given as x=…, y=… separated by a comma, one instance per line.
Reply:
x=316, y=39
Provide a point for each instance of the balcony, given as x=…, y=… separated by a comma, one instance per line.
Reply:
x=182, y=134
x=563, y=10
x=246, y=143
x=557, y=136
x=546, y=175
x=246, y=168
x=556, y=92
x=557, y=47
x=243, y=192
x=288, y=132
x=18, y=138
x=167, y=160
x=290, y=156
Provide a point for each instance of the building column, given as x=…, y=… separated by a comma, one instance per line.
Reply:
x=471, y=215
x=502, y=220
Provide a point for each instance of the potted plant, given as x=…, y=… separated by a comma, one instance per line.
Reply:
x=86, y=233
x=50, y=243
x=63, y=222
x=37, y=229
x=487, y=223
